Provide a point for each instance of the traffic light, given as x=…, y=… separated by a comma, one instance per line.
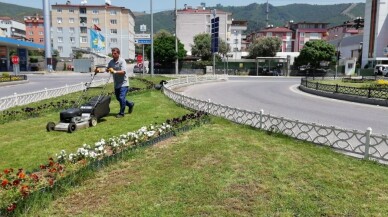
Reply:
x=338, y=55
x=359, y=22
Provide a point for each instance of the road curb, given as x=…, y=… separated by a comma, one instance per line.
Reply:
x=9, y=83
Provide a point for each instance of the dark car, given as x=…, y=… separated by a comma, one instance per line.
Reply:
x=139, y=69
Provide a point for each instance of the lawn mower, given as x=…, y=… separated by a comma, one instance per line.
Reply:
x=85, y=115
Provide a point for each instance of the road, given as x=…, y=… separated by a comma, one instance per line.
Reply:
x=37, y=82
x=280, y=96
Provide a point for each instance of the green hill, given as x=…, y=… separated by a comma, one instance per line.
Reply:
x=256, y=16
x=17, y=12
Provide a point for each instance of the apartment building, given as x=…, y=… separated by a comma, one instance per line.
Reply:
x=307, y=31
x=194, y=21
x=236, y=39
x=34, y=28
x=71, y=26
x=285, y=34
x=375, y=41
x=12, y=28
x=344, y=30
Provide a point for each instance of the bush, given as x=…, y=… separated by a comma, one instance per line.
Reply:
x=5, y=74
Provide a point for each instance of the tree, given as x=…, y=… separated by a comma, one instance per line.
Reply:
x=314, y=52
x=264, y=47
x=202, y=46
x=164, y=48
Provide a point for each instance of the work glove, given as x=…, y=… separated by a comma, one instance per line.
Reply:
x=111, y=70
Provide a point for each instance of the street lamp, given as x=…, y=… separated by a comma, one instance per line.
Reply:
x=360, y=56
x=152, y=40
x=338, y=51
x=176, y=41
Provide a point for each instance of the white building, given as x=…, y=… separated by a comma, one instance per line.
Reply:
x=12, y=28
x=375, y=40
x=194, y=21
x=236, y=36
x=71, y=25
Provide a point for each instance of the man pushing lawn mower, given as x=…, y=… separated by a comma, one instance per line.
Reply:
x=118, y=67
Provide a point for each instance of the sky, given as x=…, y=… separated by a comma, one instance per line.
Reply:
x=161, y=5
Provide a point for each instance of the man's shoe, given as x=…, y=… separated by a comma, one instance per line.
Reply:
x=130, y=108
x=119, y=116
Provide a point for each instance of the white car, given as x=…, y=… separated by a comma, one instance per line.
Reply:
x=381, y=70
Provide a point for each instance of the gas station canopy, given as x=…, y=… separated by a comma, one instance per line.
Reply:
x=10, y=42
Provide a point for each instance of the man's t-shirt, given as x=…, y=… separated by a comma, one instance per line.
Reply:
x=120, y=80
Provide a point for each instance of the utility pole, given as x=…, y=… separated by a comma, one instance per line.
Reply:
x=47, y=41
x=176, y=41
x=267, y=12
x=152, y=40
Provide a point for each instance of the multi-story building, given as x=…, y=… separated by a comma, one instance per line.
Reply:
x=194, y=21
x=236, y=39
x=342, y=31
x=375, y=41
x=285, y=34
x=306, y=31
x=71, y=26
x=12, y=28
x=34, y=28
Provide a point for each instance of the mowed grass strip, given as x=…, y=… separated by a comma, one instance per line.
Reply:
x=26, y=143
x=225, y=169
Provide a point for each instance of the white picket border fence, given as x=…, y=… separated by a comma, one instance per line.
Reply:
x=351, y=142
x=26, y=98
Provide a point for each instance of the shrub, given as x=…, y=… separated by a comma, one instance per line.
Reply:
x=5, y=74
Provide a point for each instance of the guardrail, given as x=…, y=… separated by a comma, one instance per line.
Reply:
x=26, y=98
x=377, y=93
x=352, y=142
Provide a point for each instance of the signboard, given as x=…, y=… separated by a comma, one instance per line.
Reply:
x=139, y=58
x=142, y=36
x=15, y=59
x=143, y=41
x=215, y=32
x=143, y=28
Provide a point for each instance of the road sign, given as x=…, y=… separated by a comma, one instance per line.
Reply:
x=139, y=58
x=142, y=36
x=143, y=41
x=143, y=28
x=15, y=59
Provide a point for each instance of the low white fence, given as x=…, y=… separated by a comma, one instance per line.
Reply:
x=352, y=142
x=26, y=98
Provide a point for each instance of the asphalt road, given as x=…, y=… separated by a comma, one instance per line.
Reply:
x=280, y=96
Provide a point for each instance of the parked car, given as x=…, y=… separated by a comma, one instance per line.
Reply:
x=139, y=69
x=381, y=69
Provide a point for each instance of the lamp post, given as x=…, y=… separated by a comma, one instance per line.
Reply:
x=338, y=52
x=360, y=57
x=152, y=40
x=176, y=41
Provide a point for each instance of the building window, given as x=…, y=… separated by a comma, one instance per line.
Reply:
x=59, y=20
x=60, y=29
x=40, y=32
x=60, y=39
x=95, y=11
x=30, y=32
x=113, y=21
x=60, y=49
x=30, y=25
x=71, y=20
x=72, y=40
x=84, y=30
x=95, y=21
x=113, y=12
x=83, y=20
x=113, y=40
x=113, y=31
x=84, y=39
x=31, y=40
x=40, y=25
x=71, y=30
x=302, y=34
x=71, y=11
x=82, y=10
x=41, y=40
x=59, y=10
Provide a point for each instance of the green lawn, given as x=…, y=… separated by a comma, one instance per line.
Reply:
x=219, y=169
x=225, y=169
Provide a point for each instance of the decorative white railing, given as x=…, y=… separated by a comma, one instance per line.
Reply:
x=352, y=142
x=26, y=98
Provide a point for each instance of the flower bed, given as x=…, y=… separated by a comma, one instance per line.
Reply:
x=19, y=189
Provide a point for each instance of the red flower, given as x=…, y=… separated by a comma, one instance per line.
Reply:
x=51, y=182
x=25, y=190
x=16, y=182
x=11, y=207
x=6, y=171
x=34, y=177
x=21, y=174
x=42, y=167
x=4, y=183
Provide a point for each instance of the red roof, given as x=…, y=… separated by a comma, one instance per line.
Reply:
x=276, y=29
x=87, y=6
x=312, y=30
